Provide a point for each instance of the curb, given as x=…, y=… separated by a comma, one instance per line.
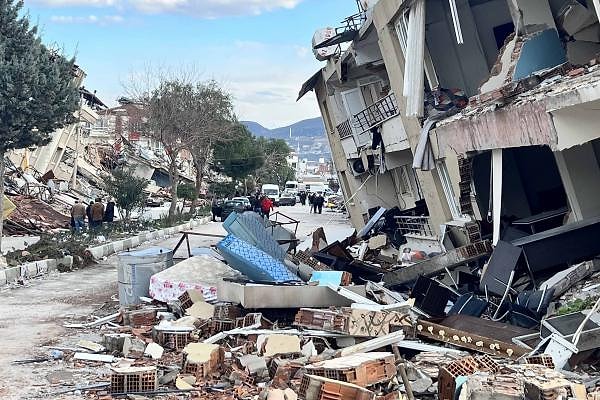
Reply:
x=114, y=247
x=43, y=267
x=33, y=269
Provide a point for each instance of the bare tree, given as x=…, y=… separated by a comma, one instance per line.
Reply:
x=214, y=122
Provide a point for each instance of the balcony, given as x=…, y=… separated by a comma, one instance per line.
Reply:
x=376, y=114
x=344, y=129
x=415, y=226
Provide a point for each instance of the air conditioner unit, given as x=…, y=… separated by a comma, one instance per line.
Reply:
x=357, y=167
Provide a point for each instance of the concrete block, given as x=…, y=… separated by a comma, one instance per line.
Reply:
x=281, y=344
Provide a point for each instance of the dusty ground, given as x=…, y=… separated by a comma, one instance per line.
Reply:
x=32, y=317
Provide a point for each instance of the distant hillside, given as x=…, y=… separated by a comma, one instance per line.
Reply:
x=307, y=128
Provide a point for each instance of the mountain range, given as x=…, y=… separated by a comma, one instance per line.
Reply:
x=312, y=127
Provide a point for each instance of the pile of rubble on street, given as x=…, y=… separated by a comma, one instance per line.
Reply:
x=257, y=318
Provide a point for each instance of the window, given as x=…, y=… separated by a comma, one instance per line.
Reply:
x=448, y=189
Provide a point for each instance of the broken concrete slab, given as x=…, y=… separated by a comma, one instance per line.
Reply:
x=281, y=344
x=154, y=350
x=253, y=296
x=201, y=310
x=254, y=364
x=372, y=344
x=183, y=384
x=377, y=242
x=91, y=346
x=566, y=279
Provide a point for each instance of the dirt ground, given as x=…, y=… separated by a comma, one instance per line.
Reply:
x=32, y=317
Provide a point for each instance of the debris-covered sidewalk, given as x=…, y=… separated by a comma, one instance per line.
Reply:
x=253, y=317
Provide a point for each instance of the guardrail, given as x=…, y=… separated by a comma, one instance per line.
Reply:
x=376, y=113
x=418, y=226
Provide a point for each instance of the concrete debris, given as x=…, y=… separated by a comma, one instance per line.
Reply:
x=449, y=326
x=154, y=351
x=281, y=344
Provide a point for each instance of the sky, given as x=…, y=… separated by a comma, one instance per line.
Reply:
x=258, y=50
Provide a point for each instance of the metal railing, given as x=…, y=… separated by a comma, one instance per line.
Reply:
x=376, y=113
x=344, y=129
x=418, y=226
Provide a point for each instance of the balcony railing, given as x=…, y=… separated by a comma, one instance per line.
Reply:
x=376, y=113
x=417, y=226
x=344, y=129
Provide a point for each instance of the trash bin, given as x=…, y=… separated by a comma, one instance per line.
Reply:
x=135, y=270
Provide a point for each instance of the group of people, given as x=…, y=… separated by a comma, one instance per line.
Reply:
x=262, y=204
x=95, y=213
x=316, y=202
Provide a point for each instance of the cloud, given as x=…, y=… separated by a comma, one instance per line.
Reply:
x=209, y=9
x=87, y=19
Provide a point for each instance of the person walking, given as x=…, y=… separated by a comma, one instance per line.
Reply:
x=311, y=201
x=303, y=198
x=319, y=201
x=109, y=212
x=78, y=216
x=97, y=213
x=266, y=206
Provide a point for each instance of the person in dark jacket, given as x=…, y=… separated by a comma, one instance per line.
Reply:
x=88, y=213
x=311, y=201
x=109, y=211
x=319, y=200
x=303, y=198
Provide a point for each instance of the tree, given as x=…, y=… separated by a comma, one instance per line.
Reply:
x=186, y=191
x=275, y=168
x=171, y=120
x=240, y=157
x=222, y=189
x=37, y=90
x=128, y=190
x=216, y=123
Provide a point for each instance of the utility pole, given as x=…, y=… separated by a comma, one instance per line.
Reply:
x=77, y=138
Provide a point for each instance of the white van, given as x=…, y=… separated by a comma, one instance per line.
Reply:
x=315, y=187
x=272, y=192
x=291, y=187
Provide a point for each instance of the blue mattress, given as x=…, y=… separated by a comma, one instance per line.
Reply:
x=253, y=262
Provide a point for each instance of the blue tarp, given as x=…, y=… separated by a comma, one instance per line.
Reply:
x=251, y=261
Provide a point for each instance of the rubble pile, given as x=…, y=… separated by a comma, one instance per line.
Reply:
x=341, y=334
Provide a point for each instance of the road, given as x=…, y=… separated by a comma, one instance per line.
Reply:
x=32, y=317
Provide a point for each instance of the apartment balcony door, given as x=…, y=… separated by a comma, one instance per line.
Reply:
x=353, y=102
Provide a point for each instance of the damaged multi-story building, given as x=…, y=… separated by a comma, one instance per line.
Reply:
x=122, y=127
x=462, y=111
x=66, y=156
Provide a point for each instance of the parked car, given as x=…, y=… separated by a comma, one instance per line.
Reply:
x=287, y=199
x=245, y=201
x=152, y=201
x=230, y=206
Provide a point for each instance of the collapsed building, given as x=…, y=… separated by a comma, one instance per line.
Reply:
x=449, y=114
